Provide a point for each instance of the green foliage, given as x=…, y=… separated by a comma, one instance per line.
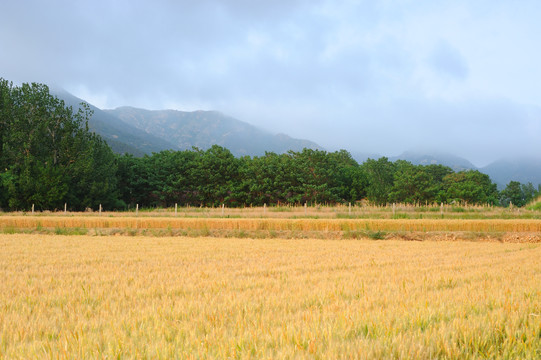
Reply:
x=47, y=154
x=512, y=194
x=517, y=194
x=469, y=186
x=417, y=184
x=376, y=235
x=49, y=157
x=70, y=231
x=536, y=206
x=215, y=174
x=380, y=175
x=9, y=230
x=214, y=177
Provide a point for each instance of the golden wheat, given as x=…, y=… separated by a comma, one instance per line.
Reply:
x=141, y=297
x=488, y=225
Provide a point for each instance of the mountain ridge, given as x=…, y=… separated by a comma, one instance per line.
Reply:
x=524, y=169
x=455, y=162
x=242, y=139
x=203, y=129
x=121, y=138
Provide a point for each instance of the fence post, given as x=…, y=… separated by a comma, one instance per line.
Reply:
x=100, y=210
x=349, y=209
x=65, y=208
x=176, y=209
x=136, y=209
x=223, y=209
x=305, y=208
x=32, y=209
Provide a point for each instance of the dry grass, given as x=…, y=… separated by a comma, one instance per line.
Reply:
x=149, y=297
x=252, y=224
x=356, y=211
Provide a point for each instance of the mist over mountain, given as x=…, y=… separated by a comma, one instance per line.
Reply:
x=203, y=129
x=456, y=163
x=121, y=138
x=139, y=131
x=368, y=76
x=523, y=170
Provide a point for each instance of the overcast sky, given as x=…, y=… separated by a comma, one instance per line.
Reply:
x=381, y=77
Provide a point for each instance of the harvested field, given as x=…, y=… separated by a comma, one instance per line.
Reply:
x=176, y=297
x=358, y=211
x=487, y=225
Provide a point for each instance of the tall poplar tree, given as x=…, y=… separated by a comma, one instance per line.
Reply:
x=48, y=156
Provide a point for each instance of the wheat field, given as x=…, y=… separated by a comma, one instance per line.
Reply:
x=492, y=225
x=198, y=298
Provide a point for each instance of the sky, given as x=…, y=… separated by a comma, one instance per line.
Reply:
x=378, y=77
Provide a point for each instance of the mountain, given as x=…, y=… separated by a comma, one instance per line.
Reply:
x=361, y=157
x=418, y=158
x=139, y=132
x=422, y=158
x=523, y=170
x=206, y=128
x=121, y=137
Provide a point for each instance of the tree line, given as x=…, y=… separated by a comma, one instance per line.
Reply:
x=49, y=157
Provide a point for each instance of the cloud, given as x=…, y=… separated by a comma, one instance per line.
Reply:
x=379, y=76
x=447, y=60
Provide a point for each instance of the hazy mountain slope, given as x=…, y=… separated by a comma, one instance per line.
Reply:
x=120, y=136
x=206, y=128
x=139, y=132
x=361, y=157
x=454, y=162
x=524, y=170
x=521, y=169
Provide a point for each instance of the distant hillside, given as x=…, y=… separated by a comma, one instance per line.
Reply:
x=501, y=172
x=121, y=137
x=206, y=128
x=361, y=157
x=139, y=132
x=454, y=162
x=523, y=170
